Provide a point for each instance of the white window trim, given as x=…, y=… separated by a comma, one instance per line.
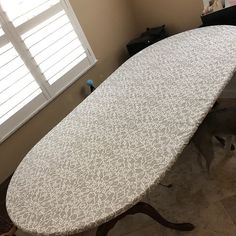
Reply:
x=41, y=101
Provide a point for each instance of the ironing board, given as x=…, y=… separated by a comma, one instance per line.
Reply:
x=98, y=163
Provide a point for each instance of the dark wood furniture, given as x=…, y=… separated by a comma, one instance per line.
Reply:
x=226, y=16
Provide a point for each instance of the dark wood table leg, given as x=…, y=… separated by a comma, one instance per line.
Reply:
x=222, y=142
x=166, y=185
x=11, y=232
x=147, y=209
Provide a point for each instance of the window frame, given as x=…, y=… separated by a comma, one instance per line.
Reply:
x=49, y=92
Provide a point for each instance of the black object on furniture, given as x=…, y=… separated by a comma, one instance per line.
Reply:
x=150, y=36
x=226, y=16
x=91, y=85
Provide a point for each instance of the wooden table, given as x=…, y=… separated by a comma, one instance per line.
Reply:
x=99, y=162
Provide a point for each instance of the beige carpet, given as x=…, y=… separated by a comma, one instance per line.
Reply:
x=207, y=201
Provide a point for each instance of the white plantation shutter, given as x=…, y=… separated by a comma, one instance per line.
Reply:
x=55, y=46
x=42, y=51
x=17, y=85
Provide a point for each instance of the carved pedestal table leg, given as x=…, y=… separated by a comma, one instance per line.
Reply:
x=147, y=209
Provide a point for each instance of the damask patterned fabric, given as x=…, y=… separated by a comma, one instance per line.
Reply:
x=120, y=141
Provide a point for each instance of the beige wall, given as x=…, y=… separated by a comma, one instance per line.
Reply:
x=108, y=26
x=178, y=15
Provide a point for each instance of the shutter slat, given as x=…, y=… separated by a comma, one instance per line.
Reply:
x=5, y=48
x=19, y=105
x=61, y=58
x=34, y=11
x=8, y=56
x=40, y=3
x=57, y=54
x=55, y=44
x=65, y=68
x=42, y=25
x=10, y=68
x=10, y=81
x=39, y=19
x=18, y=99
x=25, y=10
x=61, y=26
x=11, y=73
x=16, y=83
x=52, y=39
x=16, y=88
x=56, y=33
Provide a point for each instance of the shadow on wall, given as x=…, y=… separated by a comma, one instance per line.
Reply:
x=177, y=15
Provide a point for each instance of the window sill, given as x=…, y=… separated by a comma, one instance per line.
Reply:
x=10, y=132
